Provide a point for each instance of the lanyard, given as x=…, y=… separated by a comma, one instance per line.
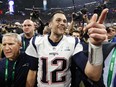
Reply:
x=6, y=71
x=23, y=42
x=111, y=68
x=24, y=45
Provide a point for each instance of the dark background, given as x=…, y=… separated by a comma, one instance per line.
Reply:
x=24, y=7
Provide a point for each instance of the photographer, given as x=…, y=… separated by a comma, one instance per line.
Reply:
x=34, y=16
x=80, y=18
x=75, y=17
x=86, y=19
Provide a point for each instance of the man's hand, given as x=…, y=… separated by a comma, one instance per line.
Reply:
x=96, y=30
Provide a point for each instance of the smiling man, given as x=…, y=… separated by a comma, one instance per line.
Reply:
x=56, y=50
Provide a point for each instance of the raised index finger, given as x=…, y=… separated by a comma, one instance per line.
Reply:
x=102, y=16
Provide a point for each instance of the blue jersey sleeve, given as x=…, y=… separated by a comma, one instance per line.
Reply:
x=114, y=83
x=80, y=60
x=33, y=63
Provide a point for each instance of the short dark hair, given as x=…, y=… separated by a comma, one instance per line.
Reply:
x=58, y=11
x=76, y=31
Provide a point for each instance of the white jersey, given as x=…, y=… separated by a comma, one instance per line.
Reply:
x=54, y=61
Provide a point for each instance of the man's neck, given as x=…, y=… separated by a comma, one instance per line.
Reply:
x=55, y=38
x=29, y=35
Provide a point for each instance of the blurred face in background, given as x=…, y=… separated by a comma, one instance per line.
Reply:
x=67, y=32
x=28, y=27
x=111, y=32
x=76, y=34
x=46, y=30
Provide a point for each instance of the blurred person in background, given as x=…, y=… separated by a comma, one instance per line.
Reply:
x=46, y=30
x=111, y=33
x=28, y=28
x=18, y=28
x=76, y=33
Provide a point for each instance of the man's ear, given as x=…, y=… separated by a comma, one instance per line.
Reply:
x=20, y=44
x=50, y=25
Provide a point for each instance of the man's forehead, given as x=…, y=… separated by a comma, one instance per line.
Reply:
x=8, y=39
x=59, y=15
x=28, y=21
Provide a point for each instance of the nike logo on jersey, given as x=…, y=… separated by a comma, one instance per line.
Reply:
x=26, y=64
x=54, y=53
x=66, y=49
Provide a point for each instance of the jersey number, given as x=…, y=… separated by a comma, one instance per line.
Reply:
x=54, y=74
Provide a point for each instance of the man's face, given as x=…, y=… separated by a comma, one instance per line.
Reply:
x=28, y=26
x=58, y=24
x=111, y=33
x=10, y=47
x=76, y=34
